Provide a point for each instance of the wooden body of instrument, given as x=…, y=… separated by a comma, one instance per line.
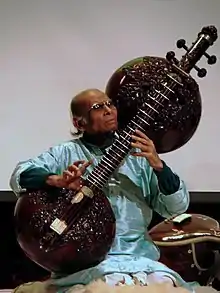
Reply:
x=188, y=247
x=86, y=240
x=132, y=83
x=177, y=123
x=83, y=224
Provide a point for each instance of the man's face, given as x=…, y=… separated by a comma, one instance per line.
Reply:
x=100, y=113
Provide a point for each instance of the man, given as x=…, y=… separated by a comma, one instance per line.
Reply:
x=151, y=184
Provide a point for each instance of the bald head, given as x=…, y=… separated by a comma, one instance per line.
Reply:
x=83, y=101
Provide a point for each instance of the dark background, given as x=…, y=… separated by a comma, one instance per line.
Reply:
x=16, y=268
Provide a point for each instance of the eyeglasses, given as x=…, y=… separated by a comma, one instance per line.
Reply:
x=101, y=106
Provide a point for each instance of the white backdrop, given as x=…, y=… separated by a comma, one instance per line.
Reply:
x=51, y=49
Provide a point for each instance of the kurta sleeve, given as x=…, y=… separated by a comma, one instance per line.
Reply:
x=168, y=193
x=36, y=170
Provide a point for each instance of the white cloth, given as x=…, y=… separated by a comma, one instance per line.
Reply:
x=140, y=278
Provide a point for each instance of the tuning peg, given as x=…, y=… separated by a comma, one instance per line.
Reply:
x=171, y=57
x=201, y=71
x=182, y=44
x=211, y=59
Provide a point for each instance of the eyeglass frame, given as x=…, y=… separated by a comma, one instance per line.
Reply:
x=101, y=105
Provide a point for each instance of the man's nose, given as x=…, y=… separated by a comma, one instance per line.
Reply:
x=108, y=110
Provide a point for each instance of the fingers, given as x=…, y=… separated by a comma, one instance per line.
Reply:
x=77, y=163
x=139, y=140
x=142, y=139
x=78, y=171
x=142, y=145
x=71, y=173
x=142, y=135
x=75, y=185
x=141, y=154
x=68, y=176
x=84, y=166
x=74, y=170
x=72, y=176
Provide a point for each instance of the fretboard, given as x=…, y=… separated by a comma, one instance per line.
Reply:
x=153, y=104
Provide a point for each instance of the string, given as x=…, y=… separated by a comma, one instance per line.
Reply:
x=75, y=210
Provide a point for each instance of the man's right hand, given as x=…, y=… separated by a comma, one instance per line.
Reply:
x=71, y=178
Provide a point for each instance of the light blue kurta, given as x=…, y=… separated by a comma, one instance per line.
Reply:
x=133, y=192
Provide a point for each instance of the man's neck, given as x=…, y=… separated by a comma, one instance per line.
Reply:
x=100, y=140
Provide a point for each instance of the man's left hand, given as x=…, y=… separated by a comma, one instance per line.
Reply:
x=142, y=142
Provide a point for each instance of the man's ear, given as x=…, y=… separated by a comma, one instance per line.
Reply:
x=79, y=123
